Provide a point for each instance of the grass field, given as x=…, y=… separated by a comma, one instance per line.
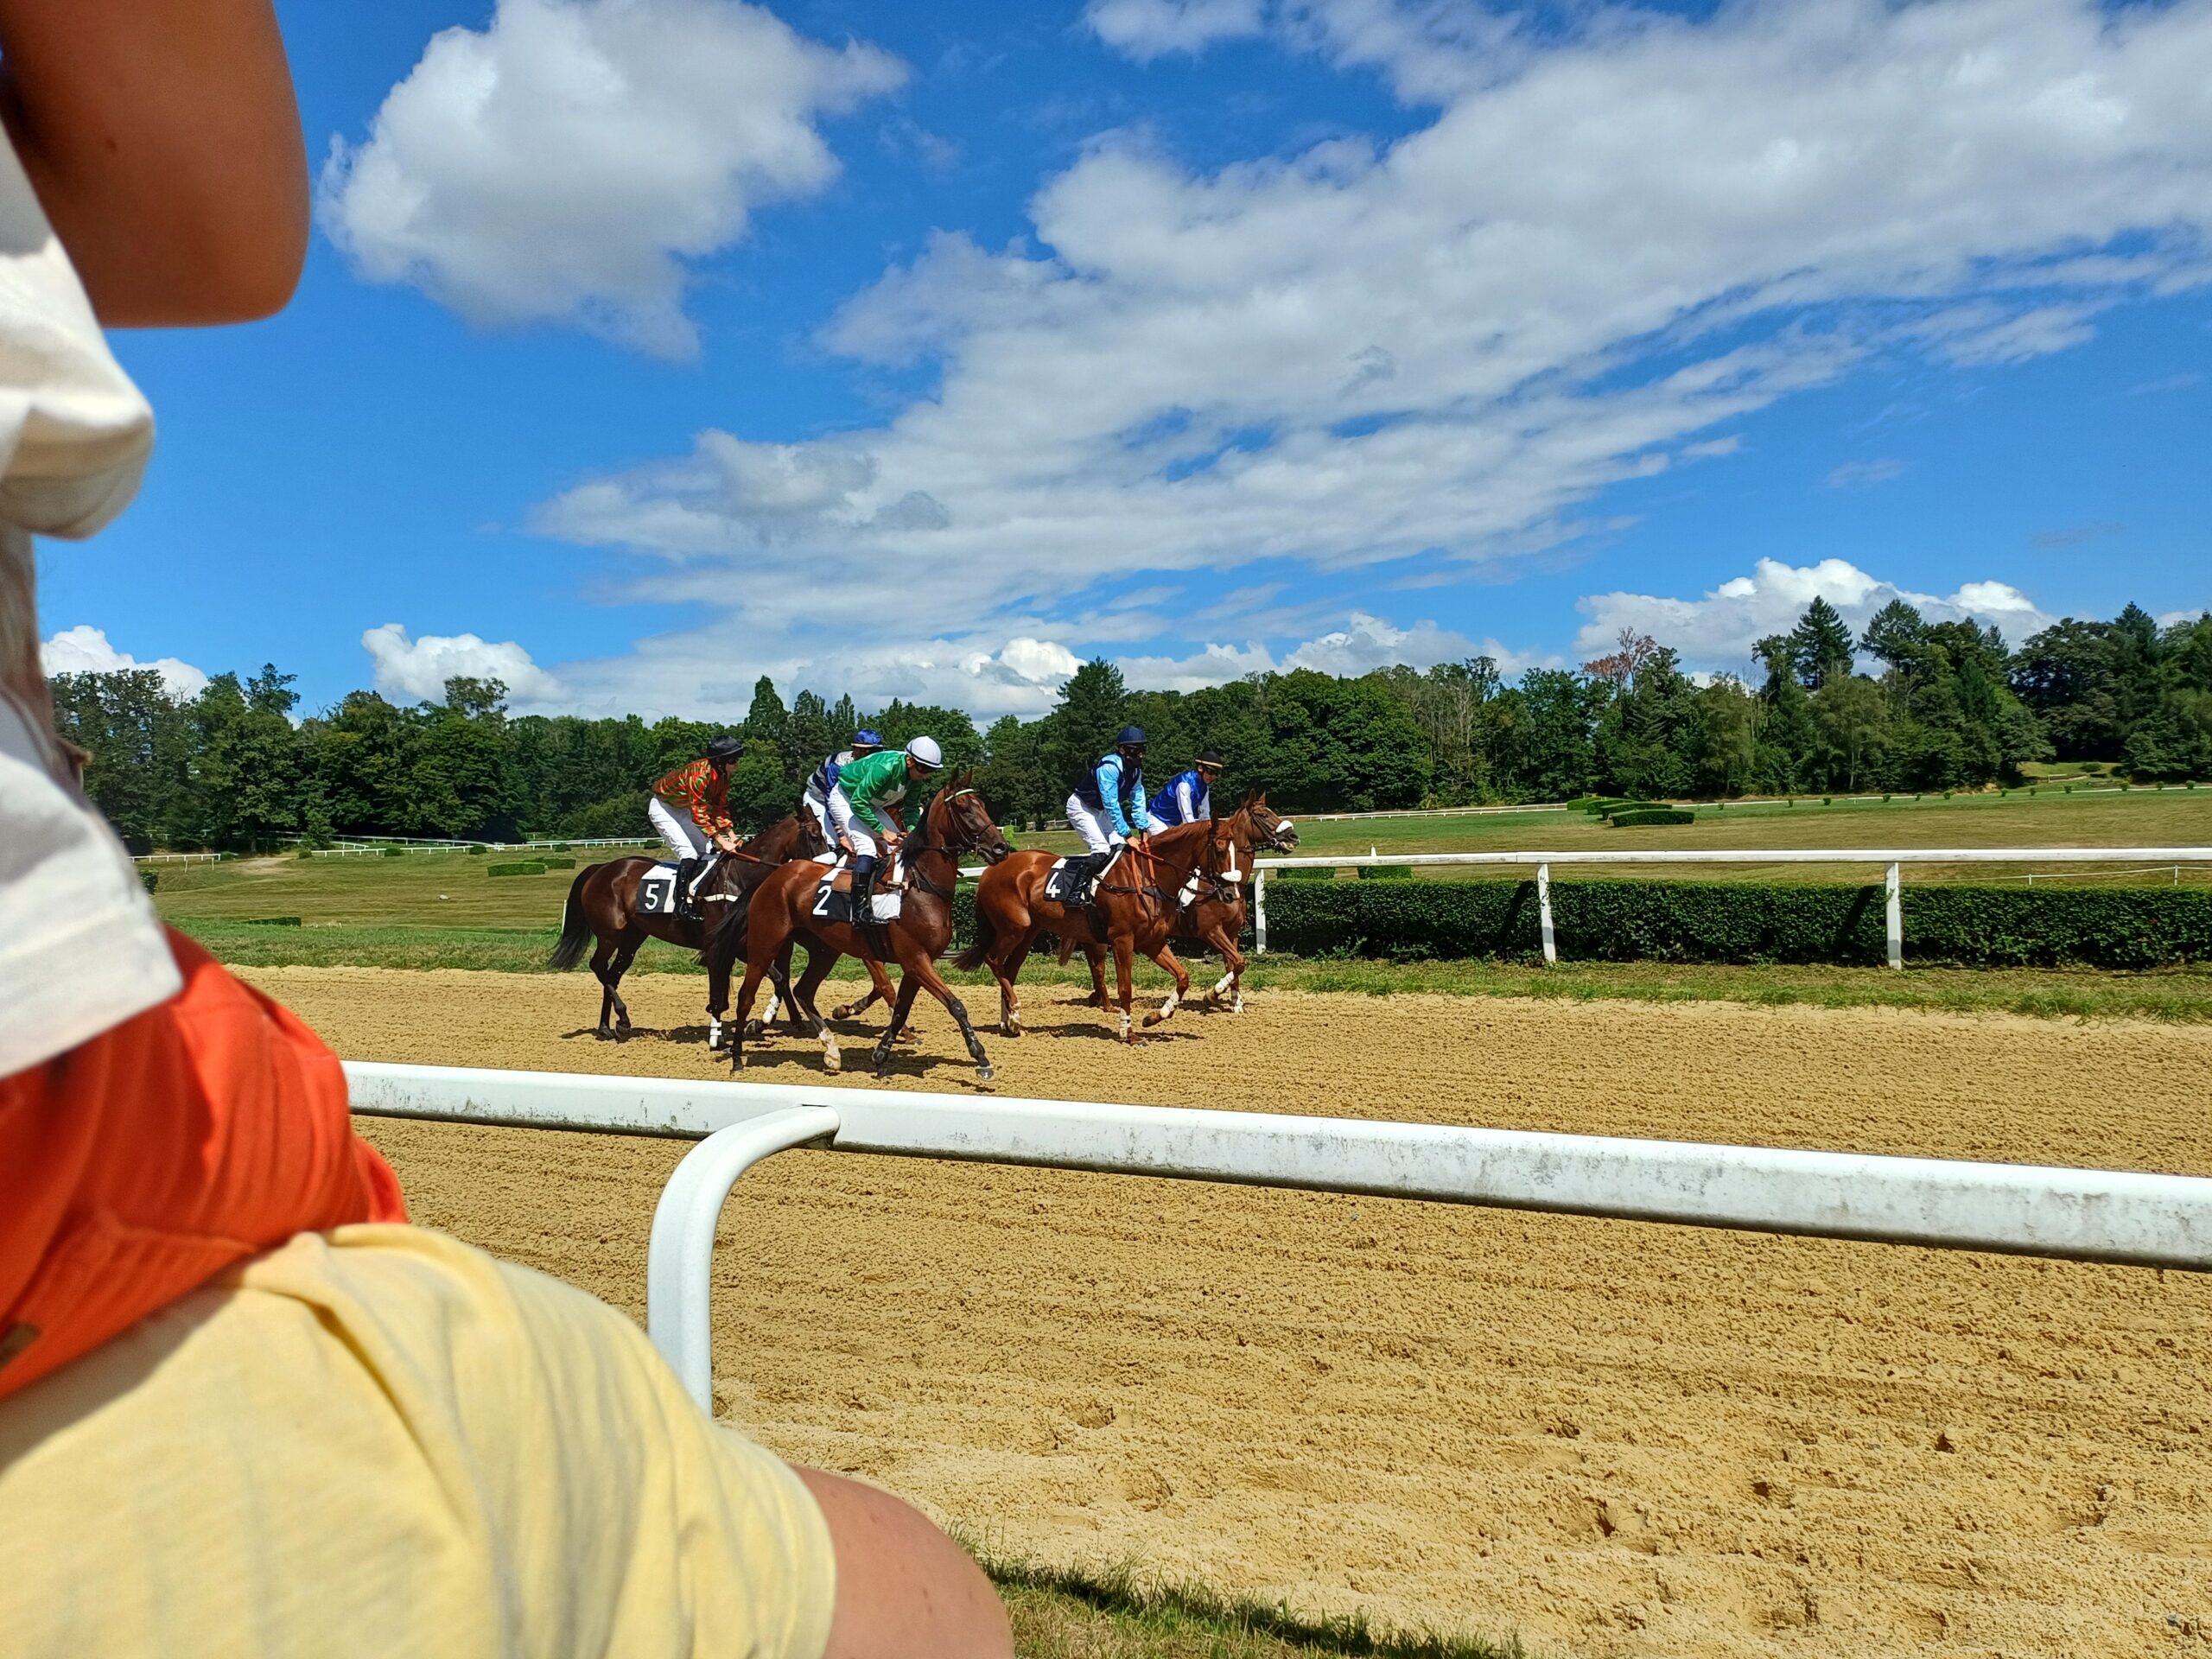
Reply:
x=1122, y=1615
x=440, y=909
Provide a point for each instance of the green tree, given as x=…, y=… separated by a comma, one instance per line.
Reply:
x=1728, y=737
x=1820, y=646
x=1093, y=706
x=135, y=732
x=460, y=778
x=1852, y=717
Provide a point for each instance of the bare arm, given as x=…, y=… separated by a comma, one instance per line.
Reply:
x=163, y=142
x=904, y=1591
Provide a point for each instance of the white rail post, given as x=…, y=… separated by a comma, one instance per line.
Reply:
x=1893, y=919
x=680, y=1258
x=1259, y=912
x=1544, y=914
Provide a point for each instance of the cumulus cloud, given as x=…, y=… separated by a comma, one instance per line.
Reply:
x=1145, y=29
x=1447, y=345
x=418, y=669
x=1719, y=630
x=1364, y=643
x=566, y=163
x=84, y=650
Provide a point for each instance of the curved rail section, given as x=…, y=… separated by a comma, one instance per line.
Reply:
x=2119, y=1216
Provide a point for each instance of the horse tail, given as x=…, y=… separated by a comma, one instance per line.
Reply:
x=576, y=926
x=986, y=935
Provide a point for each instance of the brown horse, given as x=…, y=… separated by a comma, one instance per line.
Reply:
x=1133, y=905
x=603, y=905
x=1218, y=915
x=781, y=914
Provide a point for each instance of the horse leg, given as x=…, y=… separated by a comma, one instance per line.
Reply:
x=1124, y=967
x=799, y=1021
x=1095, y=955
x=1166, y=958
x=901, y=1004
x=819, y=960
x=1233, y=980
x=1006, y=969
x=623, y=957
x=600, y=959
x=919, y=969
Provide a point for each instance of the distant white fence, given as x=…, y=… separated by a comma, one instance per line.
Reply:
x=1892, y=910
x=2152, y=1220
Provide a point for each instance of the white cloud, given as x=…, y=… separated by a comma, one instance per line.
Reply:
x=1146, y=29
x=1720, y=629
x=85, y=650
x=1858, y=475
x=418, y=669
x=1363, y=644
x=566, y=161
x=1608, y=243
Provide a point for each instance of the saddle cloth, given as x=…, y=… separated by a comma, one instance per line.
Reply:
x=657, y=891
x=1070, y=880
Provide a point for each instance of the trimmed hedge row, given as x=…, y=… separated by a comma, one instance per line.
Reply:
x=1701, y=921
x=1625, y=819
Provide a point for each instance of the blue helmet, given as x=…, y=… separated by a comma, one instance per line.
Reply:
x=1132, y=737
x=867, y=738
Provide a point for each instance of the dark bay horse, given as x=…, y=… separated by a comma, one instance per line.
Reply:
x=1133, y=906
x=781, y=914
x=603, y=905
x=1218, y=915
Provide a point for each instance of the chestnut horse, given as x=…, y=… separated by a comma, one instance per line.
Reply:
x=603, y=904
x=1133, y=905
x=1218, y=915
x=782, y=913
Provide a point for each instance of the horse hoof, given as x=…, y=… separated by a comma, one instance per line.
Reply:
x=833, y=1064
x=755, y=1030
x=1006, y=1030
x=908, y=1038
x=986, y=1073
x=843, y=1011
x=604, y=1036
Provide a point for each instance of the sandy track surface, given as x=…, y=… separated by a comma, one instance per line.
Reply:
x=1614, y=1439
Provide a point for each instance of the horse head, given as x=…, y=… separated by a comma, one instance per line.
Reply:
x=1274, y=832
x=793, y=837
x=960, y=823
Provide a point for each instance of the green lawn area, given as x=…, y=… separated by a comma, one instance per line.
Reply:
x=440, y=909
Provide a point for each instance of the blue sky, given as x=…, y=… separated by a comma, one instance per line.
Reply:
x=923, y=351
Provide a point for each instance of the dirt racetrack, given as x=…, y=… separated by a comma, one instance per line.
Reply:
x=1614, y=1439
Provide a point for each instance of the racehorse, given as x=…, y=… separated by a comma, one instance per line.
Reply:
x=603, y=904
x=1133, y=904
x=1218, y=915
x=782, y=913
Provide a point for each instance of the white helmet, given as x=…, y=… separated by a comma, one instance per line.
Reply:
x=925, y=751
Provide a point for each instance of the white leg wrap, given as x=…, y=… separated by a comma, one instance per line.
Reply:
x=1125, y=1027
x=831, y=1057
x=1174, y=1000
x=774, y=1002
x=1223, y=984
x=713, y=1032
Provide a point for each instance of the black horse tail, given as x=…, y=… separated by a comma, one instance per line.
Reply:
x=575, y=928
x=978, y=953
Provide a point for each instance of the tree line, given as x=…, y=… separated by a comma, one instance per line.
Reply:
x=1947, y=705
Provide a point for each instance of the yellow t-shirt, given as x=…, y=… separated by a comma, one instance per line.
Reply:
x=380, y=1442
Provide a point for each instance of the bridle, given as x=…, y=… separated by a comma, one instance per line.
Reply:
x=923, y=843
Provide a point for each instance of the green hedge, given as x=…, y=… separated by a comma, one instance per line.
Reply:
x=1627, y=819
x=557, y=863
x=528, y=866
x=1699, y=921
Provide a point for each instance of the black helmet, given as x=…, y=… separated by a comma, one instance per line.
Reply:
x=1132, y=737
x=1209, y=758
x=723, y=748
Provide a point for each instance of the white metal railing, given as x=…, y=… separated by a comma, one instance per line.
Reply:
x=1892, y=858
x=2117, y=1216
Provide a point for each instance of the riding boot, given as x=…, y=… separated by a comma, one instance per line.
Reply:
x=687, y=871
x=863, y=884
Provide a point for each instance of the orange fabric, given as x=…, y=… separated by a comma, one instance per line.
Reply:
x=137, y=1164
x=697, y=787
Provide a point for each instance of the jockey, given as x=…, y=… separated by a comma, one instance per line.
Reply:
x=1187, y=797
x=824, y=779
x=864, y=806
x=1108, y=807
x=701, y=790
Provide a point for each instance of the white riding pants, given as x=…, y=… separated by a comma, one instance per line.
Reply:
x=819, y=807
x=1091, y=826
x=684, y=837
x=844, y=822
